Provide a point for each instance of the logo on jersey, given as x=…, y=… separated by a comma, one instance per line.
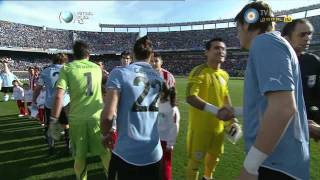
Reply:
x=222, y=81
x=276, y=79
x=312, y=80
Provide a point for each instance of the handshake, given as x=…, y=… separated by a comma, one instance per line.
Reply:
x=225, y=113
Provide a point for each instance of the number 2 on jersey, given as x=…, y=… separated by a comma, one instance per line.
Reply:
x=137, y=107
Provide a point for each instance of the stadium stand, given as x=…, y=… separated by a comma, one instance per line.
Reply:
x=26, y=36
x=181, y=50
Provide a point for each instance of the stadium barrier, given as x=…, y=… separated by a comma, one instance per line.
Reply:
x=22, y=75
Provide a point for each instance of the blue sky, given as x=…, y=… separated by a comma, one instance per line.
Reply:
x=46, y=13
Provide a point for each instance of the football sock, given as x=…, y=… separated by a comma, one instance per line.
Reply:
x=193, y=170
x=210, y=165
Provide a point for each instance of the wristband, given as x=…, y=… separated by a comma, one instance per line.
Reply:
x=211, y=108
x=253, y=160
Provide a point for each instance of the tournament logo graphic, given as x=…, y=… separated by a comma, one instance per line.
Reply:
x=75, y=17
x=66, y=16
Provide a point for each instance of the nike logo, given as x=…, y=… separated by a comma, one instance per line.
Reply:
x=275, y=79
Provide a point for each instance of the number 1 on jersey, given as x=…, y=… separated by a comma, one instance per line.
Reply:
x=89, y=84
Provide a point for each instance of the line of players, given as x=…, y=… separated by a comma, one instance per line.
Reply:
x=274, y=112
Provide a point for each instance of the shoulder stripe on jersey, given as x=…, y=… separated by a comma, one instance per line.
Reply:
x=165, y=75
x=198, y=69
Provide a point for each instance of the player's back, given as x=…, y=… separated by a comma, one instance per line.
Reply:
x=83, y=80
x=138, y=138
x=48, y=78
x=7, y=79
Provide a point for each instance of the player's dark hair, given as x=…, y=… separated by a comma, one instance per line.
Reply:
x=143, y=48
x=14, y=81
x=208, y=44
x=264, y=11
x=59, y=58
x=157, y=55
x=125, y=53
x=169, y=93
x=289, y=27
x=81, y=50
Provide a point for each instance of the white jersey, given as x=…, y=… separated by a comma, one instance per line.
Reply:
x=41, y=99
x=18, y=93
x=168, y=123
x=28, y=95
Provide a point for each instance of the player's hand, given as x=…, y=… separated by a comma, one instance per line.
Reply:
x=107, y=141
x=244, y=175
x=5, y=60
x=225, y=113
x=314, y=130
x=34, y=105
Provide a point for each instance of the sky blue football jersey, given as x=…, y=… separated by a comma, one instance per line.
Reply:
x=138, y=139
x=7, y=79
x=273, y=66
x=48, y=78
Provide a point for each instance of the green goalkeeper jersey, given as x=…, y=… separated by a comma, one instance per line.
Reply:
x=82, y=78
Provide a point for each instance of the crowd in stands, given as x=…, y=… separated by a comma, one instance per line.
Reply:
x=26, y=36
x=177, y=63
x=107, y=41
x=20, y=35
x=192, y=39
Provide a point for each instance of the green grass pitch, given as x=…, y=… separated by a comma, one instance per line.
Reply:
x=23, y=152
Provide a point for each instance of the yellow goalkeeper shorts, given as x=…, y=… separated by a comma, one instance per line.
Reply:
x=200, y=143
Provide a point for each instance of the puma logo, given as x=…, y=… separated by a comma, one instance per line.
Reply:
x=275, y=79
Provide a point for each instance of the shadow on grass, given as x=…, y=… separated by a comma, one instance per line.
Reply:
x=24, y=153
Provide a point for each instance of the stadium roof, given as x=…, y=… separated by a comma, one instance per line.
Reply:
x=279, y=13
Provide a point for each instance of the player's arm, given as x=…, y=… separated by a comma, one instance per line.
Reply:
x=227, y=110
x=36, y=93
x=57, y=103
x=110, y=108
x=279, y=112
x=6, y=66
x=174, y=128
x=37, y=90
x=196, y=102
x=111, y=100
x=61, y=86
x=314, y=130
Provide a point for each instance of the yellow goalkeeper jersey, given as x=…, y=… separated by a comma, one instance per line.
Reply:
x=211, y=86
